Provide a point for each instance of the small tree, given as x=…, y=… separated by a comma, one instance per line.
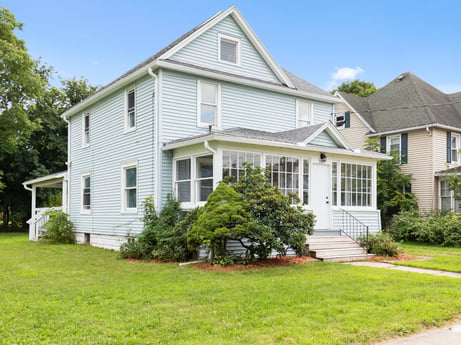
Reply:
x=357, y=87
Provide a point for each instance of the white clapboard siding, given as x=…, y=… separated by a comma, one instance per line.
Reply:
x=370, y=218
x=203, y=51
x=323, y=139
x=322, y=112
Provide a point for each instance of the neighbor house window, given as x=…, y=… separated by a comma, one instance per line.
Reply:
x=303, y=113
x=232, y=165
x=454, y=147
x=445, y=197
x=129, y=187
x=130, y=123
x=183, y=180
x=86, y=129
x=284, y=173
x=229, y=49
x=86, y=193
x=356, y=185
x=394, y=144
x=208, y=104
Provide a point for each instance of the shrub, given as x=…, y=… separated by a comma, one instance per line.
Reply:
x=381, y=244
x=163, y=236
x=58, y=228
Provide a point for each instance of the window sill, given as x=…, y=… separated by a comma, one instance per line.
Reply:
x=85, y=212
x=129, y=130
x=129, y=211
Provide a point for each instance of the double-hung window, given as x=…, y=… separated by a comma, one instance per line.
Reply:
x=86, y=129
x=208, y=104
x=229, y=49
x=445, y=197
x=86, y=193
x=194, y=179
x=394, y=144
x=204, y=177
x=183, y=180
x=455, y=145
x=303, y=113
x=130, y=117
x=129, y=188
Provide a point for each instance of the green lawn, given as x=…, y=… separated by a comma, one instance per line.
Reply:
x=66, y=294
x=443, y=258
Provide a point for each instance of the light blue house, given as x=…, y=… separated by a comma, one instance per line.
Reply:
x=193, y=113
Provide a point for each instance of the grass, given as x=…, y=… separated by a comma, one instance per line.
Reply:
x=443, y=258
x=69, y=294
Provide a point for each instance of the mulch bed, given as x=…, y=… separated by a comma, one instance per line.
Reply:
x=400, y=257
x=258, y=264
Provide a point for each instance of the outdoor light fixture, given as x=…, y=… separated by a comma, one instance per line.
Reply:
x=323, y=157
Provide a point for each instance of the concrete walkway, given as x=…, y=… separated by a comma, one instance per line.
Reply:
x=407, y=269
x=447, y=335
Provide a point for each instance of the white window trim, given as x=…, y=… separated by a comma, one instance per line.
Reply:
x=388, y=143
x=231, y=39
x=311, y=115
x=127, y=119
x=124, y=167
x=458, y=143
x=199, y=102
x=86, y=143
x=82, y=185
x=184, y=204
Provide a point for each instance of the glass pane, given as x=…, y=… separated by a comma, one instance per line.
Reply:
x=131, y=99
x=446, y=204
x=131, y=118
x=86, y=182
x=242, y=159
x=183, y=191
x=183, y=170
x=228, y=51
x=130, y=177
x=226, y=159
x=257, y=160
x=306, y=197
x=208, y=114
x=87, y=122
x=205, y=166
x=131, y=198
x=234, y=158
x=205, y=187
x=209, y=92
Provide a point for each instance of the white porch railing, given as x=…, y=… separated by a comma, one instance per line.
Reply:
x=37, y=222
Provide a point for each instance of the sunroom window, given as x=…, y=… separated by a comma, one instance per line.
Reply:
x=183, y=180
x=194, y=179
x=356, y=185
x=204, y=178
x=284, y=173
x=232, y=165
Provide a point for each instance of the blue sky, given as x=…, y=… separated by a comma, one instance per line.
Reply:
x=324, y=42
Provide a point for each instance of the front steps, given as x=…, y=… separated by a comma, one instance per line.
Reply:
x=335, y=248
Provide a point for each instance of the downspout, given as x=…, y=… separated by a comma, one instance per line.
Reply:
x=69, y=165
x=27, y=188
x=155, y=142
x=207, y=146
x=213, y=151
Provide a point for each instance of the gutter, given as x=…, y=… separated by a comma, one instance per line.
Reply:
x=426, y=127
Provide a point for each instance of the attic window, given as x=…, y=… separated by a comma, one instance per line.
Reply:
x=229, y=49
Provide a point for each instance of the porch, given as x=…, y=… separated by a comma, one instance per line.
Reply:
x=39, y=216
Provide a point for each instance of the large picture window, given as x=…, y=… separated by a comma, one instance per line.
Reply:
x=356, y=185
x=232, y=165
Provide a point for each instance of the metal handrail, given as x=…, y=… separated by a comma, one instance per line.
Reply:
x=353, y=227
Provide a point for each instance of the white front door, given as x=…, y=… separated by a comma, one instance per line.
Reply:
x=320, y=200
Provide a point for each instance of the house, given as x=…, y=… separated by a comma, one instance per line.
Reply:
x=195, y=112
x=417, y=121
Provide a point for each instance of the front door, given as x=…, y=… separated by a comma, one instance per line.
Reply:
x=321, y=204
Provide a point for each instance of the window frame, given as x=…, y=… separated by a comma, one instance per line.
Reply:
x=298, y=112
x=124, y=188
x=236, y=41
x=85, y=129
x=128, y=127
x=388, y=144
x=457, y=139
x=238, y=168
x=83, y=209
x=200, y=103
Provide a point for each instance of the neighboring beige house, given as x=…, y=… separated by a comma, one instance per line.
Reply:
x=417, y=120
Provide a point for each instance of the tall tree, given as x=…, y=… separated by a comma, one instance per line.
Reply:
x=357, y=87
x=20, y=84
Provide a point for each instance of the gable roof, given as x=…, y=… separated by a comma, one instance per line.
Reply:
x=406, y=102
x=288, y=81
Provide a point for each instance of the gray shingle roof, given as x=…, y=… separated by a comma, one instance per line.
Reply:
x=304, y=85
x=403, y=103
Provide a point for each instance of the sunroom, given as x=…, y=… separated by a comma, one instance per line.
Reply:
x=315, y=162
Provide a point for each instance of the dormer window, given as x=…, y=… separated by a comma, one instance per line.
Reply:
x=229, y=49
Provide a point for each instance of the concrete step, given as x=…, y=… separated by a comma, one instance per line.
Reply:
x=328, y=239
x=326, y=232
x=347, y=258
x=322, y=253
x=327, y=245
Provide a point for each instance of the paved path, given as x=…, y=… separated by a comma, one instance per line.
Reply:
x=408, y=269
x=447, y=335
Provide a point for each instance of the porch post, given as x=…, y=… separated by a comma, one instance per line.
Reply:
x=64, y=195
x=32, y=226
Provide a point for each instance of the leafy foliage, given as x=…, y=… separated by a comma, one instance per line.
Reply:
x=256, y=214
x=58, y=228
x=381, y=243
x=357, y=87
x=163, y=237
x=443, y=229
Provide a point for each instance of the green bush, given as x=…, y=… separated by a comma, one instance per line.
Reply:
x=58, y=228
x=381, y=244
x=439, y=228
x=163, y=236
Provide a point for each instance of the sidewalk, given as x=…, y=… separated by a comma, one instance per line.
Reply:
x=408, y=269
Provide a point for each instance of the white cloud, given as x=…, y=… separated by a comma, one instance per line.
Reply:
x=343, y=73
